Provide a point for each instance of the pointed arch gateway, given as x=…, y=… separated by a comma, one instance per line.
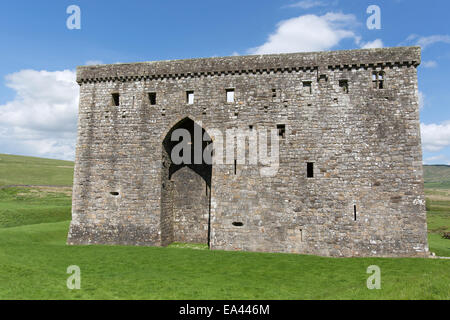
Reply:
x=186, y=184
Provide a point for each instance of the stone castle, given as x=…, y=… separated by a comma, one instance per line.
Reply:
x=349, y=181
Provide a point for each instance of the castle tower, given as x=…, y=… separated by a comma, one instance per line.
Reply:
x=348, y=180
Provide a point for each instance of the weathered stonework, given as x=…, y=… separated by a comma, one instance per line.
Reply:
x=363, y=137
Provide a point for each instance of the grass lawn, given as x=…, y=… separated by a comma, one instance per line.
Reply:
x=34, y=257
x=438, y=218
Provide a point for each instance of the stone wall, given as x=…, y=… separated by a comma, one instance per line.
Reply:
x=364, y=142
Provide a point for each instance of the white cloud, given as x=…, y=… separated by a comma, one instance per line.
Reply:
x=307, y=4
x=429, y=64
x=378, y=43
x=425, y=42
x=440, y=158
x=435, y=137
x=93, y=62
x=309, y=33
x=42, y=118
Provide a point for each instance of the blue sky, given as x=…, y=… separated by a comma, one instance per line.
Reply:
x=38, y=96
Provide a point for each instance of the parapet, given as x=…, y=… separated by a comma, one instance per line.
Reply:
x=289, y=62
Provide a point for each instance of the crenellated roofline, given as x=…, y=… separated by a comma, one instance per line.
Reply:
x=288, y=62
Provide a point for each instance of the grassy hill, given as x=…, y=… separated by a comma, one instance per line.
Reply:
x=437, y=177
x=437, y=191
x=20, y=170
x=48, y=197
x=34, y=257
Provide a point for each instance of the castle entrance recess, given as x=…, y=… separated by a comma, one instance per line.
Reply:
x=185, y=186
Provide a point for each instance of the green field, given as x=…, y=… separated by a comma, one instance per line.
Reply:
x=34, y=257
x=18, y=170
x=26, y=206
x=437, y=177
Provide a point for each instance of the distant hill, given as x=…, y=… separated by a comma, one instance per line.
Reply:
x=437, y=176
x=20, y=170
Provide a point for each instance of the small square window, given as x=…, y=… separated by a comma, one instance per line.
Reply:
x=343, y=84
x=230, y=95
x=152, y=98
x=378, y=80
x=281, y=130
x=190, y=97
x=115, y=99
x=307, y=87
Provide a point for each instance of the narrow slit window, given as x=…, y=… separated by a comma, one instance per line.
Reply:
x=343, y=84
x=310, y=170
x=230, y=95
x=152, y=98
x=380, y=80
x=354, y=212
x=190, y=97
x=116, y=99
x=281, y=130
x=235, y=167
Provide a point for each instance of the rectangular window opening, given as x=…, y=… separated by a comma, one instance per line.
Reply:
x=281, y=130
x=235, y=167
x=152, y=98
x=378, y=80
x=354, y=212
x=310, y=170
x=190, y=97
x=230, y=95
x=116, y=99
x=274, y=93
x=374, y=80
x=307, y=87
x=343, y=84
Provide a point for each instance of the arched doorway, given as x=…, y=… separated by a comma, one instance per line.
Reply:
x=186, y=185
